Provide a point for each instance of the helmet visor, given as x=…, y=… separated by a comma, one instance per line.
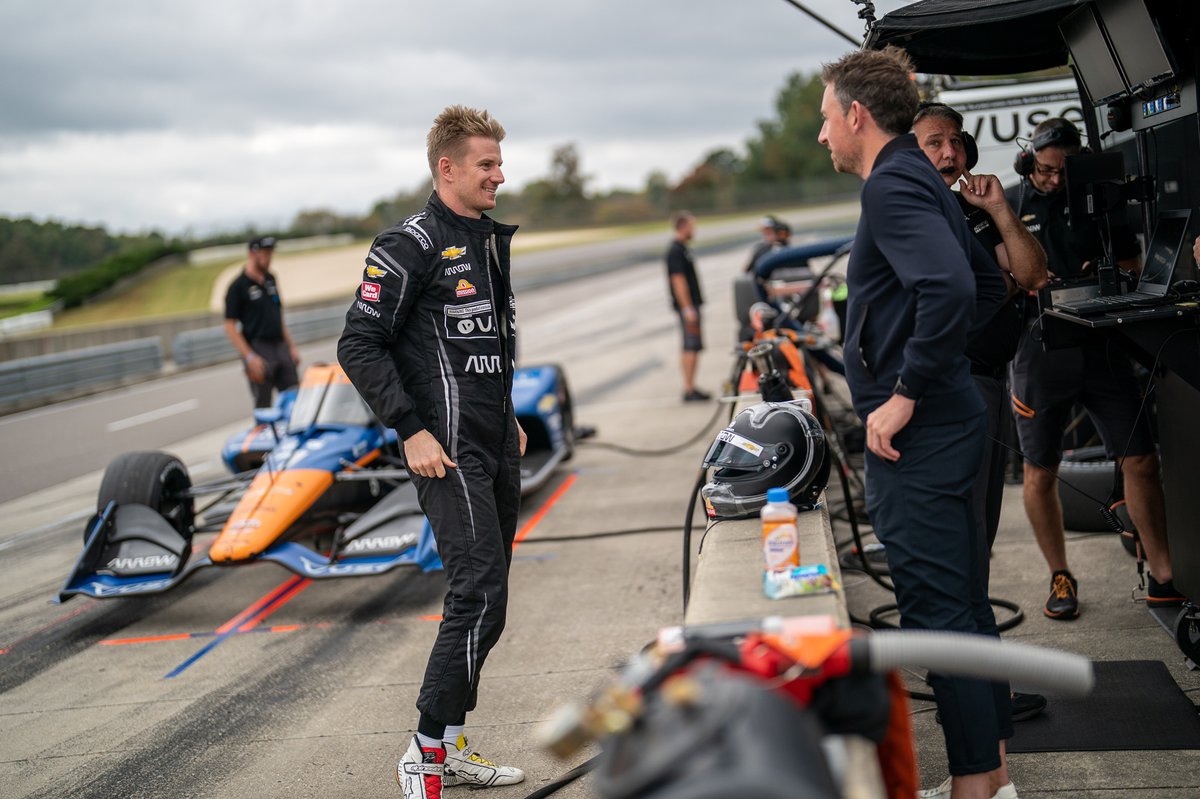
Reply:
x=732, y=451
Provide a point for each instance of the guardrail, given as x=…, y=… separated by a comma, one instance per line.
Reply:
x=44, y=376
x=209, y=345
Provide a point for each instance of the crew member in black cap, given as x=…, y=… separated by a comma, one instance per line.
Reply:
x=254, y=324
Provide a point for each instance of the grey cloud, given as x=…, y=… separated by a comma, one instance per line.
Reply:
x=125, y=65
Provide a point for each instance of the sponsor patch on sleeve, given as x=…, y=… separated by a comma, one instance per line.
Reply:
x=375, y=271
x=453, y=253
x=370, y=291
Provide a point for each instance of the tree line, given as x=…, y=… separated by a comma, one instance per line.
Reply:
x=781, y=163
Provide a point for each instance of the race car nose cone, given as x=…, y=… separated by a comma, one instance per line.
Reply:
x=272, y=504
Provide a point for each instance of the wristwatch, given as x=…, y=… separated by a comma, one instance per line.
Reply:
x=903, y=390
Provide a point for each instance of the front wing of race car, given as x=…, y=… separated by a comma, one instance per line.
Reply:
x=132, y=550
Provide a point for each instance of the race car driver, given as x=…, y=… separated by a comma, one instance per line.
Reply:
x=429, y=342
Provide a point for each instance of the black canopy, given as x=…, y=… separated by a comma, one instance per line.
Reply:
x=977, y=37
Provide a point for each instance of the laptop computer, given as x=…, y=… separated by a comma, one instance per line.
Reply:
x=1161, y=255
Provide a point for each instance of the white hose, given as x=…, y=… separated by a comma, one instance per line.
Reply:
x=965, y=655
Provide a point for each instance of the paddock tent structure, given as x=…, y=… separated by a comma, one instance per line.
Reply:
x=977, y=37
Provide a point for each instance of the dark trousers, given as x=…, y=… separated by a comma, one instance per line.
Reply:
x=281, y=370
x=473, y=513
x=988, y=491
x=921, y=510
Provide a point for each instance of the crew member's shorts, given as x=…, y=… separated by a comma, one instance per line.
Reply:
x=1045, y=386
x=692, y=342
x=281, y=371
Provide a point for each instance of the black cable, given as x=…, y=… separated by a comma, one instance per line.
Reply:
x=658, y=452
x=738, y=365
x=565, y=780
x=1111, y=519
x=826, y=23
x=687, y=537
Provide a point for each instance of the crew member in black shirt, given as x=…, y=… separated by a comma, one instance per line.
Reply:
x=686, y=299
x=254, y=324
x=1047, y=384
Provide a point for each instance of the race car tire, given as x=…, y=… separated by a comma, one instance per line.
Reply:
x=155, y=479
x=567, y=411
x=744, y=295
x=1088, y=470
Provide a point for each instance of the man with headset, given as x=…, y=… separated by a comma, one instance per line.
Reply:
x=1046, y=384
x=1022, y=262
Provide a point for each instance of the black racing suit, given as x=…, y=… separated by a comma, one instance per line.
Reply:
x=429, y=343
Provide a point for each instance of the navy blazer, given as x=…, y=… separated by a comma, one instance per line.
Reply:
x=919, y=284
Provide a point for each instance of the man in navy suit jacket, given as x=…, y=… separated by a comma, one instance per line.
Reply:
x=919, y=282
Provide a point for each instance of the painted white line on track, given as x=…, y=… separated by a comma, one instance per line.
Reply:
x=153, y=416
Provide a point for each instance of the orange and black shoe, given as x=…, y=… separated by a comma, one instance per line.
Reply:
x=1163, y=595
x=1063, y=602
x=420, y=771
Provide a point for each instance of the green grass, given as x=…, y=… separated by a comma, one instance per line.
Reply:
x=172, y=291
x=187, y=289
x=17, y=304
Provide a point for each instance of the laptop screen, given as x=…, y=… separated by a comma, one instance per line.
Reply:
x=1163, y=251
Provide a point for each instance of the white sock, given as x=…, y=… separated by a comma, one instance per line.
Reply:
x=427, y=742
x=450, y=736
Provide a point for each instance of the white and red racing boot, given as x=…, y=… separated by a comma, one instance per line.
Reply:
x=419, y=772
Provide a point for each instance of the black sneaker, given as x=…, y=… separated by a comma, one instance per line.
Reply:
x=1026, y=706
x=1163, y=595
x=696, y=395
x=1063, y=602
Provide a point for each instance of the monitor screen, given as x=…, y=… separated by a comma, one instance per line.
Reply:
x=1163, y=250
x=1092, y=183
x=1136, y=42
x=1094, y=63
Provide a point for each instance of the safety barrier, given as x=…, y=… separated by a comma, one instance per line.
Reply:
x=44, y=376
x=210, y=345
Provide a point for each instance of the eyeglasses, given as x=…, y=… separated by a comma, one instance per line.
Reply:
x=1046, y=171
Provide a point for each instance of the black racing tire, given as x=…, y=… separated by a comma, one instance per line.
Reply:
x=1187, y=632
x=744, y=296
x=567, y=410
x=1088, y=470
x=155, y=479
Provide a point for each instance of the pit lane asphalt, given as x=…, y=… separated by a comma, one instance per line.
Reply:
x=316, y=698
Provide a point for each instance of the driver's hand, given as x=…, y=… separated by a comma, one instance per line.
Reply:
x=425, y=456
x=522, y=439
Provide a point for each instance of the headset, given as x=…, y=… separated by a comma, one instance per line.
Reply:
x=1062, y=134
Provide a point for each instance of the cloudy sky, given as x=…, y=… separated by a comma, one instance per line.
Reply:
x=198, y=116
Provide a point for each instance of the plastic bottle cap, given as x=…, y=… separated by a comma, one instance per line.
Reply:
x=777, y=495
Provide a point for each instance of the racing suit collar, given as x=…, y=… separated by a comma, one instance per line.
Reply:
x=485, y=225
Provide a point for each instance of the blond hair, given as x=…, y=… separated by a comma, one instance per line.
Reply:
x=451, y=130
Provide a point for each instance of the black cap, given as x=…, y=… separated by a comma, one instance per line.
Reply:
x=263, y=243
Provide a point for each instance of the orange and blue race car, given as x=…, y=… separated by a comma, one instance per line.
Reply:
x=318, y=487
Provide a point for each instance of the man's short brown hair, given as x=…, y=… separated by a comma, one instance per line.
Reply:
x=679, y=218
x=450, y=131
x=881, y=80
